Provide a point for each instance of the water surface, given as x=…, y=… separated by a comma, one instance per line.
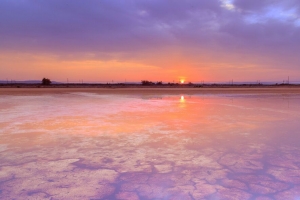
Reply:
x=81, y=145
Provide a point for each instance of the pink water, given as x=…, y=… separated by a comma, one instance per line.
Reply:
x=93, y=146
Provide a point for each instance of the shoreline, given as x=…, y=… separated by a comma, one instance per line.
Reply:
x=153, y=90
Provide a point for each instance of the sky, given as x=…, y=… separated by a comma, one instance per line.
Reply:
x=157, y=40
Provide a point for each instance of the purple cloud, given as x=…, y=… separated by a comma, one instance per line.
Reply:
x=135, y=26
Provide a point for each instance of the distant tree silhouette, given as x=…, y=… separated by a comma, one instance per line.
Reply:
x=159, y=83
x=145, y=82
x=46, y=81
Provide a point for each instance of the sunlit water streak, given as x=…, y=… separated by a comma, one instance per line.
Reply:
x=93, y=146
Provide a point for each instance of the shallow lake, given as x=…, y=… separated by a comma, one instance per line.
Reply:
x=82, y=145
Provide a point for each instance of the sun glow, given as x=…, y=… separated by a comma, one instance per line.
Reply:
x=181, y=81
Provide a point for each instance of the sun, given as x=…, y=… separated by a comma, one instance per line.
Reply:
x=181, y=81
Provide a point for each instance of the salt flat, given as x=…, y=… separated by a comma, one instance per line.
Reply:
x=150, y=143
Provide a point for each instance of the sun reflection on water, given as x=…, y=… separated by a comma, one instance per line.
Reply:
x=182, y=100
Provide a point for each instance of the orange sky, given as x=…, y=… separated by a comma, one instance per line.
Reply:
x=101, y=41
x=168, y=68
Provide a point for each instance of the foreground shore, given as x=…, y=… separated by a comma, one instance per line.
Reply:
x=136, y=144
x=154, y=90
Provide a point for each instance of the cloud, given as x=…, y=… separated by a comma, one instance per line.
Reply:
x=261, y=32
x=97, y=25
x=259, y=5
